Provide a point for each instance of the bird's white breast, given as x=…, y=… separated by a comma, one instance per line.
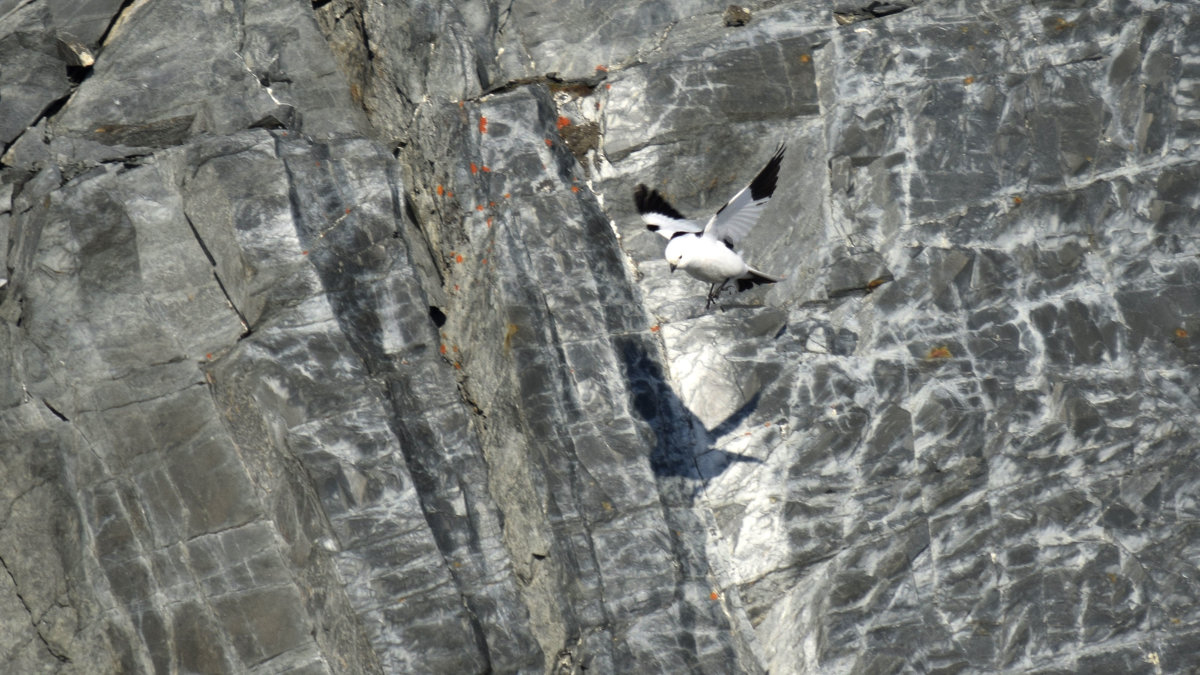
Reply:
x=706, y=259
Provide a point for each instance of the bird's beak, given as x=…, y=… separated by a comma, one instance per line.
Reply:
x=672, y=265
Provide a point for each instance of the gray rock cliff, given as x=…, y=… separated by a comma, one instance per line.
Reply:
x=330, y=341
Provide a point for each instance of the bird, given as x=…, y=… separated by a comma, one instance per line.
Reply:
x=707, y=251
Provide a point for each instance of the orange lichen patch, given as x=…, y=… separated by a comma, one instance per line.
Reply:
x=441, y=190
x=549, y=142
x=457, y=366
x=454, y=349
x=766, y=424
x=492, y=204
x=942, y=352
x=602, y=69
x=485, y=169
x=489, y=221
x=458, y=258
x=483, y=262
x=460, y=104
x=208, y=356
x=714, y=596
x=563, y=122
x=303, y=252
x=970, y=79
x=474, y=168
x=1181, y=333
x=805, y=58
x=479, y=207
x=507, y=195
x=574, y=188
x=482, y=124
x=655, y=328
x=442, y=348
x=1016, y=201
x=875, y=283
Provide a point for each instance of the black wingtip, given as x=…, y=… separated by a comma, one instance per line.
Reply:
x=752, y=280
x=649, y=201
x=763, y=185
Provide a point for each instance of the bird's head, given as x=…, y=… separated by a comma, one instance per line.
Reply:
x=674, y=253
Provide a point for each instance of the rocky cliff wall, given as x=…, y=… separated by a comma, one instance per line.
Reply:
x=330, y=341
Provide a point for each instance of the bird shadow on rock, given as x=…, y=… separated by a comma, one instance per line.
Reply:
x=679, y=442
x=683, y=448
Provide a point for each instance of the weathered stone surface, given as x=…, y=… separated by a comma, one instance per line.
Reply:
x=330, y=341
x=34, y=74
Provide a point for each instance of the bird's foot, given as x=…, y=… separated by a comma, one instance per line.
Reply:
x=714, y=294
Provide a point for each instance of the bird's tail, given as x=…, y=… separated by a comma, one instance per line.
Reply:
x=753, y=278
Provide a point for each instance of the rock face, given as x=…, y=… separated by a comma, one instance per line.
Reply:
x=330, y=341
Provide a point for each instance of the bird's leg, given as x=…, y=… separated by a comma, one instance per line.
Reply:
x=714, y=291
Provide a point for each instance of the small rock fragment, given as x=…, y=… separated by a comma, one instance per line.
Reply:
x=75, y=53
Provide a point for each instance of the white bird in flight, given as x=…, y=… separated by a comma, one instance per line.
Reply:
x=706, y=251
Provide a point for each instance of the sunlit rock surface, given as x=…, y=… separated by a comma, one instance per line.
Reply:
x=330, y=341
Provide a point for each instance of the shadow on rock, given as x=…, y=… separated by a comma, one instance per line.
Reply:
x=683, y=460
x=682, y=446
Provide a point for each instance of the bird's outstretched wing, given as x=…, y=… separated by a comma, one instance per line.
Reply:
x=740, y=213
x=660, y=216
